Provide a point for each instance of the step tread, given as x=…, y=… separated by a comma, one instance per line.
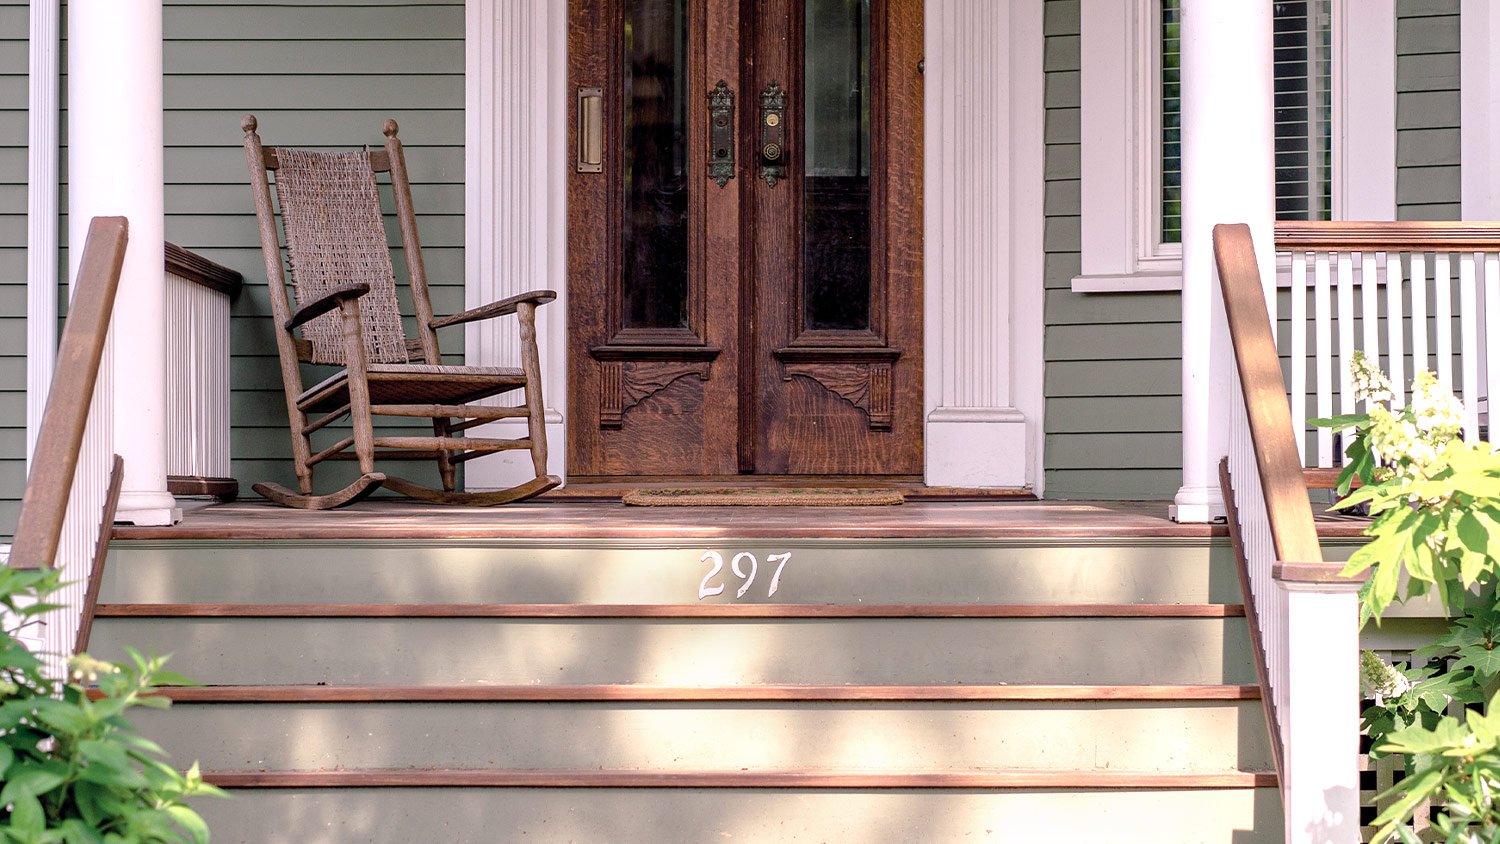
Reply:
x=715, y=610
x=659, y=693
x=791, y=779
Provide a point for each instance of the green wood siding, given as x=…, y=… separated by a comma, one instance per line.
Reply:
x=13, y=132
x=1113, y=377
x=324, y=73
x=1427, y=110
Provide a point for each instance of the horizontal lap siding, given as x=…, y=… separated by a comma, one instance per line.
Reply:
x=315, y=74
x=1427, y=110
x=1113, y=362
x=13, y=133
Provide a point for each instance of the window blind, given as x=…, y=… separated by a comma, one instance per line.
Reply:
x=1303, y=98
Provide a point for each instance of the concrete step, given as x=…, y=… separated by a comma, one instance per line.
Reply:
x=877, y=737
x=472, y=815
x=879, y=571
x=689, y=651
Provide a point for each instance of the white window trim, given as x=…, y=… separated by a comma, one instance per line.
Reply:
x=1120, y=136
x=1479, y=26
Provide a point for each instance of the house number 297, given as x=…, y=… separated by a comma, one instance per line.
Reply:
x=738, y=565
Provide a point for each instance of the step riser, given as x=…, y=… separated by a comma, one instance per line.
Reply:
x=868, y=571
x=643, y=816
x=870, y=737
x=690, y=652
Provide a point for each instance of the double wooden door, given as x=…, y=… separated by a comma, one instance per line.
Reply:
x=745, y=237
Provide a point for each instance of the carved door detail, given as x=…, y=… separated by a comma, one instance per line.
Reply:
x=744, y=243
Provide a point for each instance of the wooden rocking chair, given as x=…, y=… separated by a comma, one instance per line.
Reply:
x=349, y=317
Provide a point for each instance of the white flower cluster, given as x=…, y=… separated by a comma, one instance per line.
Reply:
x=1379, y=681
x=1410, y=444
x=1370, y=384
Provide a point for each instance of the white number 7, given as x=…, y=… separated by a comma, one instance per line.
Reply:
x=776, y=578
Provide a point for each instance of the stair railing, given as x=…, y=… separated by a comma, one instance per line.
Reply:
x=1402, y=277
x=68, y=506
x=1303, y=616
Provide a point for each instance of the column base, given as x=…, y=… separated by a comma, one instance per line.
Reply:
x=1197, y=505
x=505, y=469
x=148, y=509
x=977, y=447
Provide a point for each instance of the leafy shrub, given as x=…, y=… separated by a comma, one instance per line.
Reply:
x=73, y=769
x=1435, y=504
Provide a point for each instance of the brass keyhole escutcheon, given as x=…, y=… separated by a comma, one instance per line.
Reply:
x=721, y=134
x=773, y=151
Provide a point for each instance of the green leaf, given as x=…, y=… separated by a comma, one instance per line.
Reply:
x=1484, y=661
x=31, y=781
x=189, y=821
x=1348, y=420
x=26, y=814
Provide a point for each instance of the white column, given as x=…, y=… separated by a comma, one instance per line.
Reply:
x=115, y=167
x=516, y=70
x=1321, y=720
x=1228, y=169
x=983, y=243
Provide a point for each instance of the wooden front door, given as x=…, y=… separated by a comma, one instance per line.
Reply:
x=745, y=237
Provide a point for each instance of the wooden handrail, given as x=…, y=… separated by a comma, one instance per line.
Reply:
x=1409, y=236
x=45, y=503
x=203, y=272
x=1266, y=409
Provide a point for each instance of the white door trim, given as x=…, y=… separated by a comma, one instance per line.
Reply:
x=515, y=204
x=984, y=294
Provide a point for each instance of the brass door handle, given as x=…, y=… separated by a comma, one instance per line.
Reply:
x=590, y=130
x=773, y=134
x=721, y=133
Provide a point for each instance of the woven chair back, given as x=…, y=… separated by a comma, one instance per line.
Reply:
x=330, y=216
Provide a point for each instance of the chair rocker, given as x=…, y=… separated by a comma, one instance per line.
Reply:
x=348, y=315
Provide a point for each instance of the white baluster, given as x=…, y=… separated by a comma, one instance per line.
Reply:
x=1468, y=340
x=1442, y=304
x=1395, y=327
x=1346, y=338
x=1298, y=328
x=1419, y=327
x=1324, y=375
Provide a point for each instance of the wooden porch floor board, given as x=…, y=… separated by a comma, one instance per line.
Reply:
x=594, y=519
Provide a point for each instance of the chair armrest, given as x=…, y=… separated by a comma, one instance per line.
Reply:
x=330, y=300
x=495, y=309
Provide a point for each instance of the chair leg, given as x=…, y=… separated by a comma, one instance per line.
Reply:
x=440, y=427
x=531, y=365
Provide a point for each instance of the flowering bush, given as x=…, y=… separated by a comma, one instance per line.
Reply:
x=1435, y=504
x=1434, y=498
x=73, y=770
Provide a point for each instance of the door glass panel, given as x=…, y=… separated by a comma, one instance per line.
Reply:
x=836, y=183
x=654, y=253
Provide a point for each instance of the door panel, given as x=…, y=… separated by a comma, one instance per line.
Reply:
x=745, y=297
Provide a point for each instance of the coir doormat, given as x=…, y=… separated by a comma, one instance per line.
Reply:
x=768, y=497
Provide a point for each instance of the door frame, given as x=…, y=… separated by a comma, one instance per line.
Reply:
x=983, y=353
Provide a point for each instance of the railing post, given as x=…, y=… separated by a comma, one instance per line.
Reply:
x=1321, y=719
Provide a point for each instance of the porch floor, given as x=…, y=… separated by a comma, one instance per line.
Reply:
x=596, y=519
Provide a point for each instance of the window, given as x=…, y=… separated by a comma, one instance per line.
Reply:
x=1335, y=101
x=1303, y=35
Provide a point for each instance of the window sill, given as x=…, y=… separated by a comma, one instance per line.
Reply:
x=1128, y=283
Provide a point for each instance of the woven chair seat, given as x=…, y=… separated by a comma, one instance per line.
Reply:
x=415, y=383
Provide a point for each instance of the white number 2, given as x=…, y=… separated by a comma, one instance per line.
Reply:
x=716, y=561
x=704, y=590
